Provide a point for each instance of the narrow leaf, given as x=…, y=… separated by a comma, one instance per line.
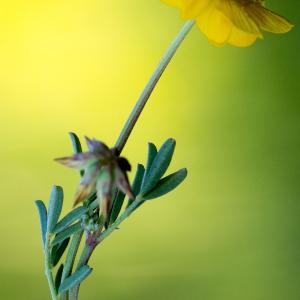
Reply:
x=76, y=146
x=94, y=204
x=58, y=277
x=60, y=237
x=55, y=206
x=72, y=254
x=90, y=199
x=57, y=252
x=70, y=218
x=166, y=184
x=159, y=166
x=43, y=218
x=75, y=278
x=152, y=152
x=117, y=206
x=137, y=182
x=75, y=142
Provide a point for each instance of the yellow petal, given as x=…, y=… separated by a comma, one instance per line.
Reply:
x=215, y=25
x=237, y=22
x=241, y=38
x=237, y=13
x=268, y=20
x=191, y=9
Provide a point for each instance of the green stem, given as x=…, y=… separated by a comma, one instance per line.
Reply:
x=83, y=260
x=85, y=255
x=48, y=271
x=137, y=110
x=88, y=250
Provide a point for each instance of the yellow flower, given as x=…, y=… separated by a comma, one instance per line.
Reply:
x=236, y=22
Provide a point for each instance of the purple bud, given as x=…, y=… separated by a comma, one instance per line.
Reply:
x=97, y=146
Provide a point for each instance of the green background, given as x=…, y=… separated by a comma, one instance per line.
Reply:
x=231, y=231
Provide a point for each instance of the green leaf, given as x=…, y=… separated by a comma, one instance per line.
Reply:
x=57, y=252
x=55, y=206
x=94, y=204
x=43, y=218
x=60, y=237
x=159, y=166
x=152, y=152
x=137, y=182
x=76, y=146
x=58, y=277
x=70, y=218
x=166, y=184
x=75, y=142
x=75, y=279
x=90, y=199
x=117, y=206
x=71, y=255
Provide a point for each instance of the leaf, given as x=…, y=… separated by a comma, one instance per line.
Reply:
x=70, y=218
x=57, y=252
x=152, y=152
x=117, y=206
x=76, y=146
x=137, y=182
x=159, y=166
x=43, y=218
x=58, y=277
x=75, y=279
x=55, y=206
x=75, y=142
x=60, y=237
x=91, y=199
x=166, y=184
x=94, y=204
x=72, y=254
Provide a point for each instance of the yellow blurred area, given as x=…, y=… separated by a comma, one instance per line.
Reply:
x=231, y=231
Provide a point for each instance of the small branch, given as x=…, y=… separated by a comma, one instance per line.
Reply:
x=85, y=255
x=83, y=260
x=74, y=293
x=88, y=249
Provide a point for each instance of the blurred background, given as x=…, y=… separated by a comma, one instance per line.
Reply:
x=231, y=231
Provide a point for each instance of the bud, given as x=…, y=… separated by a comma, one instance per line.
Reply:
x=104, y=171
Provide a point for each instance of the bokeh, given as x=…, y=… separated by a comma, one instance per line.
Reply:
x=231, y=231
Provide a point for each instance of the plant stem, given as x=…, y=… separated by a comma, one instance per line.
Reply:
x=137, y=110
x=48, y=271
x=83, y=260
x=88, y=249
x=124, y=135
